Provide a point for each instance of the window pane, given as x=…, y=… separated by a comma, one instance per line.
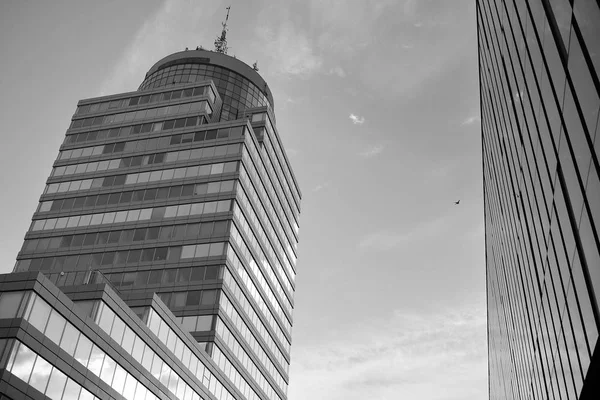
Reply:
x=138, y=349
x=69, y=339
x=40, y=374
x=56, y=384
x=96, y=359
x=209, y=297
x=82, y=353
x=23, y=363
x=106, y=319
x=204, y=323
x=188, y=251
x=108, y=370
x=117, y=330
x=119, y=379
x=55, y=327
x=9, y=304
x=72, y=390
x=130, y=385
x=39, y=314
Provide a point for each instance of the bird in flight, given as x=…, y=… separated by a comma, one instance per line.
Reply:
x=457, y=202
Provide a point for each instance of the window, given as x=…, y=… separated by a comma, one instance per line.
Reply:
x=55, y=327
x=9, y=304
x=39, y=314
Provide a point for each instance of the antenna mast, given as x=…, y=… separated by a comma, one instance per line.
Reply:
x=221, y=41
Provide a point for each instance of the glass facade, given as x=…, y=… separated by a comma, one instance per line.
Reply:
x=237, y=92
x=540, y=100
x=184, y=193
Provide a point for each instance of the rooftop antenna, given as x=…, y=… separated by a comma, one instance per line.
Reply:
x=221, y=41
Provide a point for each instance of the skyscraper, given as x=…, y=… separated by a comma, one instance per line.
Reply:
x=539, y=64
x=167, y=238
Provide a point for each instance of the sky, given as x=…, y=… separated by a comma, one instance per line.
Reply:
x=377, y=106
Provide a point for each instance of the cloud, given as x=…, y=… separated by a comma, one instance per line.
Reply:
x=356, y=120
x=372, y=151
x=337, y=71
x=385, y=240
x=471, y=120
x=320, y=187
x=290, y=49
x=408, y=355
x=167, y=31
x=344, y=28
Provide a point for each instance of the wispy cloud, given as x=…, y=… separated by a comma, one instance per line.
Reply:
x=290, y=49
x=344, y=29
x=471, y=120
x=437, y=356
x=167, y=31
x=371, y=151
x=356, y=120
x=385, y=240
x=339, y=71
x=320, y=187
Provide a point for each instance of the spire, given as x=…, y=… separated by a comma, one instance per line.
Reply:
x=221, y=41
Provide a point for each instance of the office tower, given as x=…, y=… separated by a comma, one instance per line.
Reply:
x=539, y=68
x=160, y=262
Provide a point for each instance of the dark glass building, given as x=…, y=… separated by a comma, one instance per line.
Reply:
x=161, y=261
x=539, y=65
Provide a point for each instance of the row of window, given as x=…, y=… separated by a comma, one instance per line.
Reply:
x=64, y=334
x=282, y=186
x=146, y=99
x=228, y=83
x=284, y=196
x=183, y=275
x=69, y=278
x=272, y=142
x=273, y=145
x=188, y=357
x=203, y=230
x=152, y=143
x=272, y=223
x=239, y=267
x=163, y=193
x=147, y=159
x=195, y=107
x=192, y=298
x=233, y=374
x=144, y=214
x=258, y=171
x=279, y=181
x=251, y=339
x=38, y=373
x=257, y=224
x=145, y=355
x=240, y=241
x=236, y=348
x=196, y=323
x=142, y=177
x=128, y=130
x=247, y=309
x=171, y=254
